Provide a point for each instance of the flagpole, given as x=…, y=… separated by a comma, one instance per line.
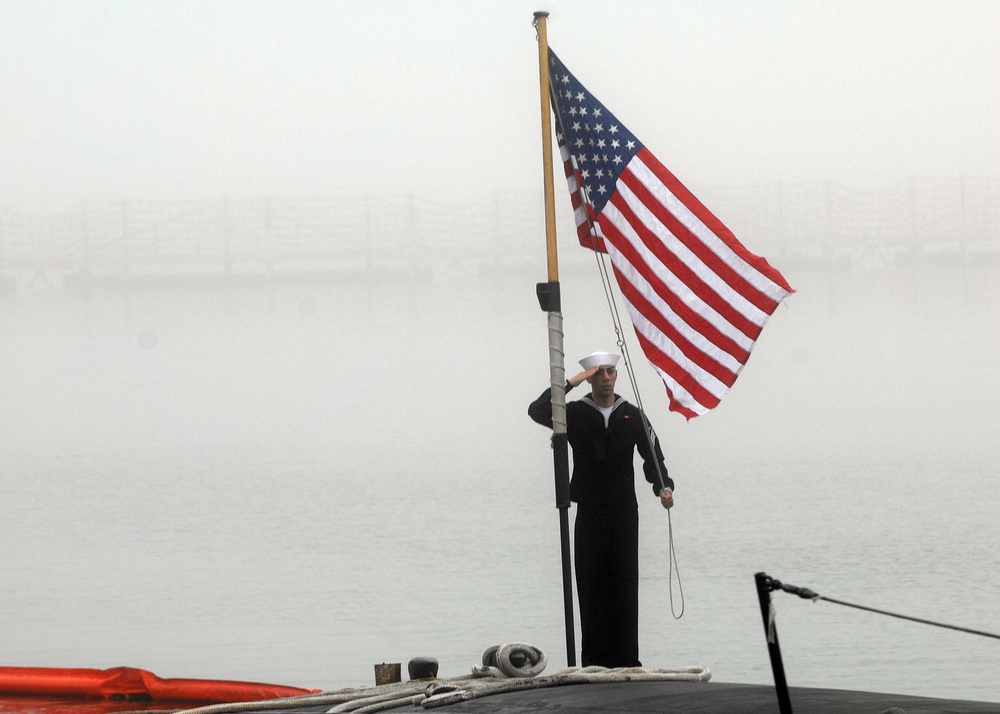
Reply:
x=550, y=302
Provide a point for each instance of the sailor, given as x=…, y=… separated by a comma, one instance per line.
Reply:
x=604, y=431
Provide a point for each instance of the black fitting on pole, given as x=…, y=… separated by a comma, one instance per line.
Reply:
x=804, y=593
x=765, y=584
x=548, y=297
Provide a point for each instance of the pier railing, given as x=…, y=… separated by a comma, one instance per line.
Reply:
x=341, y=233
x=822, y=222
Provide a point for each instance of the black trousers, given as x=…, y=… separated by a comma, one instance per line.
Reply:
x=607, y=583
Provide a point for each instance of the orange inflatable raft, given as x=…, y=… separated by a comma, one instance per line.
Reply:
x=128, y=683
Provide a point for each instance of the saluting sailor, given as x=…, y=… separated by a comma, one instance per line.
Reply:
x=604, y=431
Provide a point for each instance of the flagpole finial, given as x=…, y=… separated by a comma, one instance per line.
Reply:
x=541, y=13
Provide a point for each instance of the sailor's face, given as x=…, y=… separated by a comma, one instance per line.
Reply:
x=603, y=380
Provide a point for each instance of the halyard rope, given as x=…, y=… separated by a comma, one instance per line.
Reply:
x=506, y=668
x=672, y=566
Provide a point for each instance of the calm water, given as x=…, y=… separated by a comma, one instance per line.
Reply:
x=293, y=484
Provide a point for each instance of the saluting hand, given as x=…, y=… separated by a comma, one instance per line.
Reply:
x=583, y=376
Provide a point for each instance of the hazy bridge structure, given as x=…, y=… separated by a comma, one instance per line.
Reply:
x=405, y=235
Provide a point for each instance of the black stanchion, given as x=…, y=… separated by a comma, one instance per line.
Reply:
x=764, y=587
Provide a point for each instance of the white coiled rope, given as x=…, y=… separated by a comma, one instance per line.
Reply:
x=453, y=691
x=516, y=659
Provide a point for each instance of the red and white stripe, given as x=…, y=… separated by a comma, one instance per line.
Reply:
x=697, y=297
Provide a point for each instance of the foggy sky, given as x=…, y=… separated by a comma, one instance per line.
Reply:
x=123, y=100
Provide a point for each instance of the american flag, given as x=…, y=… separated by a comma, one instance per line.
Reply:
x=698, y=299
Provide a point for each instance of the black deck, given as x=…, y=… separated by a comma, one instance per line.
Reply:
x=693, y=698
x=705, y=697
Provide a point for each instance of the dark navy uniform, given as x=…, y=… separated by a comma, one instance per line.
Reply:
x=606, y=533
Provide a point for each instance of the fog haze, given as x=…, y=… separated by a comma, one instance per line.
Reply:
x=257, y=473
x=118, y=100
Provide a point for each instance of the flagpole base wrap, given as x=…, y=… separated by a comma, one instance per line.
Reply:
x=557, y=373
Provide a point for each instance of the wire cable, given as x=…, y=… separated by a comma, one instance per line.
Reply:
x=808, y=594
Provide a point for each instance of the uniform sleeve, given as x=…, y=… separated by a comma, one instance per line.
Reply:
x=540, y=410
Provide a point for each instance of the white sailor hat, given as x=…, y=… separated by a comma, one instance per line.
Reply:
x=599, y=359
